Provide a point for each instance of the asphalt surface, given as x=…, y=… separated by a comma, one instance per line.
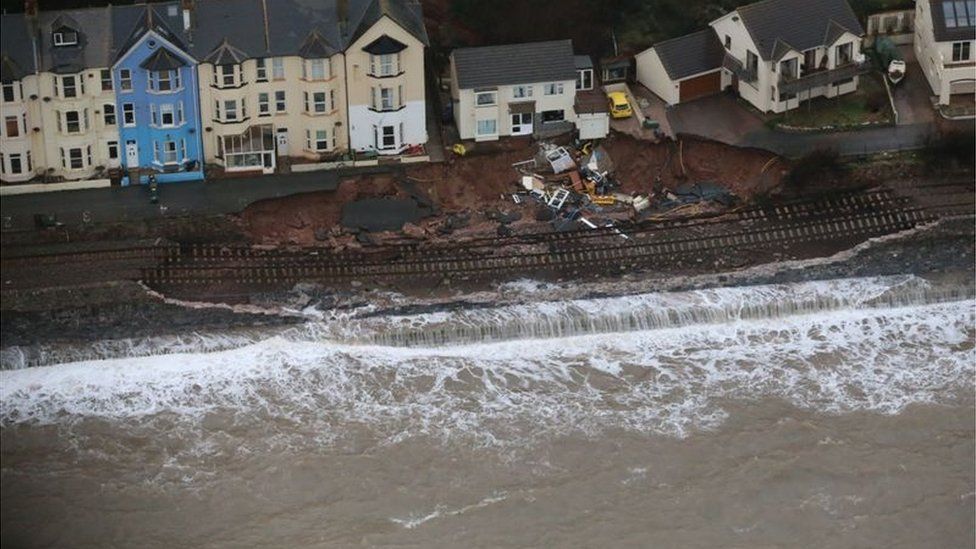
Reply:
x=130, y=203
x=721, y=118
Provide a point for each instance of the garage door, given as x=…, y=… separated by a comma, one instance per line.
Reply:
x=700, y=86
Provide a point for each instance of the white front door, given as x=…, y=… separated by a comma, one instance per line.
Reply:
x=267, y=162
x=131, y=154
x=522, y=123
x=282, y=135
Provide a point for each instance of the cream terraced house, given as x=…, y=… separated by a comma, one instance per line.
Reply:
x=385, y=72
x=773, y=53
x=945, y=39
x=307, y=80
x=64, y=95
x=514, y=89
x=17, y=82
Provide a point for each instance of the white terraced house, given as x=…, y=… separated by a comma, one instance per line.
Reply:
x=774, y=54
x=945, y=37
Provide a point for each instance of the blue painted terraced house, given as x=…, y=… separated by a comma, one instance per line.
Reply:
x=158, y=98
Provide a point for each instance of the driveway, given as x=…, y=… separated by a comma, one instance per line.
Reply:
x=721, y=118
x=913, y=96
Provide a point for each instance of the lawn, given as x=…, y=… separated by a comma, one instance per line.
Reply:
x=868, y=105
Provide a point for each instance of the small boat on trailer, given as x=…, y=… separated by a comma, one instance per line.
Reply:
x=896, y=71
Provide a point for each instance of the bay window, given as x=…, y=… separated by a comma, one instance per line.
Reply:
x=384, y=65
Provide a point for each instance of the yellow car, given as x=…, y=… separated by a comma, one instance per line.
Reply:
x=619, y=106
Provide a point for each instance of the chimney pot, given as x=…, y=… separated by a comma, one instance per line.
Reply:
x=30, y=8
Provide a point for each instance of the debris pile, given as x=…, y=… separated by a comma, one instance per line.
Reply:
x=577, y=185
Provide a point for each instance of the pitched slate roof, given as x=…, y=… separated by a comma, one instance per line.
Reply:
x=797, y=24
x=163, y=60
x=406, y=13
x=94, y=37
x=225, y=54
x=384, y=45
x=133, y=22
x=235, y=23
x=514, y=64
x=238, y=28
x=691, y=54
x=16, y=53
x=948, y=33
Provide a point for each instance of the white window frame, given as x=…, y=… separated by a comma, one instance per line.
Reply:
x=125, y=80
x=63, y=88
x=584, y=79
x=17, y=127
x=486, y=121
x=106, y=78
x=167, y=154
x=128, y=115
x=109, y=117
x=78, y=124
x=261, y=70
x=487, y=98
x=278, y=68
x=958, y=48
x=230, y=107
x=12, y=87
x=554, y=88
x=264, y=104
x=387, y=64
x=112, y=150
x=521, y=92
x=66, y=38
x=281, y=103
x=167, y=109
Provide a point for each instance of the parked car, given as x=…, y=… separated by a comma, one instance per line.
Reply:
x=619, y=106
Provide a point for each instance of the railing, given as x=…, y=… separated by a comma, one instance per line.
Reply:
x=737, y=68
x=822, y=78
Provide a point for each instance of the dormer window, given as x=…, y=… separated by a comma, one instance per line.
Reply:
x=317, y=69
x=65, y=37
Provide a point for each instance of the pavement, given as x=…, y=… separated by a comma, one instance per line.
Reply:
x=721, y=118
x=114, y=204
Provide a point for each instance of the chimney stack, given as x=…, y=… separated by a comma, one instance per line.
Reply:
x=188, y=6
x=342, y=11
x=30, y=8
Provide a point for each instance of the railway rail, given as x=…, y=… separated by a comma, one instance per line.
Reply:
x=846, y=217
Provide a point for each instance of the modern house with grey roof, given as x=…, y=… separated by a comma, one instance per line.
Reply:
x=517, y=89
x=773, y=53
x=945, y=39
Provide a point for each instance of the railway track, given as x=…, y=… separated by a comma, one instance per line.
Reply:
x=842, y=218
x=630, y=255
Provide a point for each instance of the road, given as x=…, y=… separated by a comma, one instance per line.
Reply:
x=130, y=203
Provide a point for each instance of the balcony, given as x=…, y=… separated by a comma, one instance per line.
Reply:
x=736, y=67
x=816, y=79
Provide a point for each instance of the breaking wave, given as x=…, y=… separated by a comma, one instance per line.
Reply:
x=654, y=363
